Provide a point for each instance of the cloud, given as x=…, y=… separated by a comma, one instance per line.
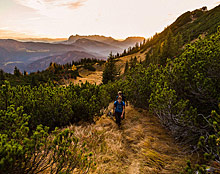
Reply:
x=75, y=5
x=54, y=9
x=5, y=34
x=51, y=4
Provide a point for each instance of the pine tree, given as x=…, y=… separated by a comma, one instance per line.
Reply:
x=133, y=62
x=2, y=75
x=126, y=67
x=179, y=42
x=125, y=52
x=147, y=59
x=25, y=73
x=157, y=53
x=17, y=72
x=110, y=71
x=168, y=48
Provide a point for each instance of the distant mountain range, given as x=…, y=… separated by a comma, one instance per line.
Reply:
x=42, y=64
x=108, y=40
x=33, y=56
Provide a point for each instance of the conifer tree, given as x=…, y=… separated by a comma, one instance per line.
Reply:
x=126, y=67
x=110, y=70
x=168, y=48
x=147, y=60
x=179, y=42
x=17, y=72
x=25, y=73
x=133, y=62
x=125, y=52
x=2, y=75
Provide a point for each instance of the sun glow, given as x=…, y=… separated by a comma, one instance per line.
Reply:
x=119, y=19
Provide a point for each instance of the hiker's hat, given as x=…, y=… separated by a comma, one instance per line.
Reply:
x=119, y=92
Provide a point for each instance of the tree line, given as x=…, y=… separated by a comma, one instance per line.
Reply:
x=56, y=73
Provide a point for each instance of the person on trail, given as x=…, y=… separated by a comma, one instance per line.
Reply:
x=119, y=109
x=123, y=99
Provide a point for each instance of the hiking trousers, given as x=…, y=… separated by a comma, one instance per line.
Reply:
x=118, y=118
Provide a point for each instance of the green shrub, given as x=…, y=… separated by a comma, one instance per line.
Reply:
x=55, y=106
x=23, y=151
x=183, y=93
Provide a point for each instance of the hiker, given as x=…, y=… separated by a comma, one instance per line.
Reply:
x=119, y=109
x=123, y=99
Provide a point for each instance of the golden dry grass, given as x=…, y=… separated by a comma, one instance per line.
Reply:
x=120, y=64
x=95, y=77
x=141, y=146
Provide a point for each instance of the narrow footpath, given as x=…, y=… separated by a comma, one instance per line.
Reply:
x=141, y=146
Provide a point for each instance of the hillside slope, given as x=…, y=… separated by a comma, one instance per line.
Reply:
x=189, y=25
x=93, y=77
x=141, y=146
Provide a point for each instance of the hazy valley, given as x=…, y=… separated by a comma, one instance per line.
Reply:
x=34, y=56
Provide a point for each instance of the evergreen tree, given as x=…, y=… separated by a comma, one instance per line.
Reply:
x=2, y=75
x=110, y=70
x=133, y=62
x=140, y=61
x=125, y=52
x=17, y=72
x=25, y=73
x=179, y=43
x=157, y=54
x=135, y=59
x=179, y=40
x=168, y=48
x=126, y=67
x=147, y=60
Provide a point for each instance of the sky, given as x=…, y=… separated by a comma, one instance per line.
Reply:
x=115, y=18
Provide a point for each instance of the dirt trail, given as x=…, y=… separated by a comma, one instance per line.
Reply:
x=150, y=148
x=142, y=146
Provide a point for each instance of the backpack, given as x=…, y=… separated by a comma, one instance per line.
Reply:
x=119, y=107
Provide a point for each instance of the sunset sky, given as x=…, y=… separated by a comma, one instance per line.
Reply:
x=116, y=18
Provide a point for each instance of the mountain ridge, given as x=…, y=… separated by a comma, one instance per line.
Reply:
x=16, y=53
x=44, y=63
x=107, y=40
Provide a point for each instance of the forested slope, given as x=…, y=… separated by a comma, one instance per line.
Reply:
x=183, y=92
